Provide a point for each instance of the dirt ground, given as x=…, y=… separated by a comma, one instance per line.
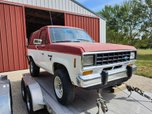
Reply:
x=20, y=108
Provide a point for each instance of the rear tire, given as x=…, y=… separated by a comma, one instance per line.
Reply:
x=23, y=90
x=63, y=88
x=34, y=69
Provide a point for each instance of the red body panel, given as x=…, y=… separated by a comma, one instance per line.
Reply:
x=95, y=47
x=79, y=48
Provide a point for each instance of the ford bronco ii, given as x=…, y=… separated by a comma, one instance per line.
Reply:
x=76, y=60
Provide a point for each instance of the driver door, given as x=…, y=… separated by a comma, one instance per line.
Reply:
x=43, y=48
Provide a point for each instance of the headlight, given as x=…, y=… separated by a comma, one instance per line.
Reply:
x=132, y=55
x=88, y=60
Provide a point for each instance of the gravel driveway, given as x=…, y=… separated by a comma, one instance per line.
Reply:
x=20, y=108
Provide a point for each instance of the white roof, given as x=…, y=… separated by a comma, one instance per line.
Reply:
x=63, y=5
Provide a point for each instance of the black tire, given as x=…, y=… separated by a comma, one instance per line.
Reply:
x=68, y=93
x=23, y=90
x=34, y=69
x=29, y=103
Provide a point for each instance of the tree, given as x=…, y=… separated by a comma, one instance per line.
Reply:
x=129, y=21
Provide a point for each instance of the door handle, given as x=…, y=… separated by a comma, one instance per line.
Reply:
x=42, y=53
x=43, y=46
x=50, y=56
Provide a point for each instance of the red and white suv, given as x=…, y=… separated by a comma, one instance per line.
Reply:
x=76, y=60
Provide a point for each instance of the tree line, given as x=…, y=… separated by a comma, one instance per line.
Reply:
x=129, y=23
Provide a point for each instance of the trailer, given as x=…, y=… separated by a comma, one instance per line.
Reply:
x=5, y=96
x=37, y=92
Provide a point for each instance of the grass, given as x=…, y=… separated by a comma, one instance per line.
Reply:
x=144, y=63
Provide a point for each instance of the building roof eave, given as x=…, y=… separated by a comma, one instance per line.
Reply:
x=88, y=9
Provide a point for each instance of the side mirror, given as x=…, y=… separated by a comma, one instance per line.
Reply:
x=37, y=41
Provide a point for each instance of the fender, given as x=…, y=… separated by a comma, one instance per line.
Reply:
x=69, y=65
x=36, y=93
x=37, y=97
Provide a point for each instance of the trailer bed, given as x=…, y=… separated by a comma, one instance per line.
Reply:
x=85, y=101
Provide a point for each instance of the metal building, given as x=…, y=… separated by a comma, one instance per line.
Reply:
x=19, y=18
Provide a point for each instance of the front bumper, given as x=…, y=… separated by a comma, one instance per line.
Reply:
x=114, y=77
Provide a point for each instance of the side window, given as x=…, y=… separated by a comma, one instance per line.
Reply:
x=44, y=37
x=32, y=37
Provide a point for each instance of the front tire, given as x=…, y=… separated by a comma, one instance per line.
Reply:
x=63, y=88
x=34, y=69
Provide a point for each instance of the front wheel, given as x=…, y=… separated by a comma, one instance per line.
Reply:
x=63, y=88
x=34, y=69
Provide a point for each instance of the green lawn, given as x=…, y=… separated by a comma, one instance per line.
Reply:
x=144, y=63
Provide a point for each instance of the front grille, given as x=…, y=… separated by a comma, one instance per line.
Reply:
x=111, y=58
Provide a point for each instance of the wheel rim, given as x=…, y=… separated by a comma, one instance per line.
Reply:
x=58, y=87
x=28, y=102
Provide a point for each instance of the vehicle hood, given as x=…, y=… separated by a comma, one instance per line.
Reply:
x=95, y=47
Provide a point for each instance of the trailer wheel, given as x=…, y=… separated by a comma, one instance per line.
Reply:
x=29, y=104
x=34, y=69
x=23, y=90
x=63, y=88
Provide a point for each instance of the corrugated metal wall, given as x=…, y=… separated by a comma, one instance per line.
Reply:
x=63, y=5
x=12, y=38
x=90, y=24
x=68, y=6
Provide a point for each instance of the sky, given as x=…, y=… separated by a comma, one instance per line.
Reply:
x=97, y=5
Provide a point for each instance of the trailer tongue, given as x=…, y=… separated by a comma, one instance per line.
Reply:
x=42, y=94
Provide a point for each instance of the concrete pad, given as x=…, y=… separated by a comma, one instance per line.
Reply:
x=85, y=102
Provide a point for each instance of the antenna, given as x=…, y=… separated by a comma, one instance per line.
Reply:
x=51, y=17
x=52, y=24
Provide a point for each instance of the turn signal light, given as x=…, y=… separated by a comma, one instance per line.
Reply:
x=87, y=72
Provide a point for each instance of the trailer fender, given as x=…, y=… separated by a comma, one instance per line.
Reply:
x=36, y=93
x=37, y=97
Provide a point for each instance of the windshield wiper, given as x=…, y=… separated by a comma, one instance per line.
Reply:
x=83, y=40
x=63, y=41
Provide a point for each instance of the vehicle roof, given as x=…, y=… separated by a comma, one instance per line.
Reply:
x=58, y=26
x=55, y=26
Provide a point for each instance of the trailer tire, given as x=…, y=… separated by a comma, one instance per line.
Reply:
x=34, y=69
x=63, y=88
x=23, y=90
x=29, y=103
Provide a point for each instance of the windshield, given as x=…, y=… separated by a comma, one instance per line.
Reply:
x=69, y=35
